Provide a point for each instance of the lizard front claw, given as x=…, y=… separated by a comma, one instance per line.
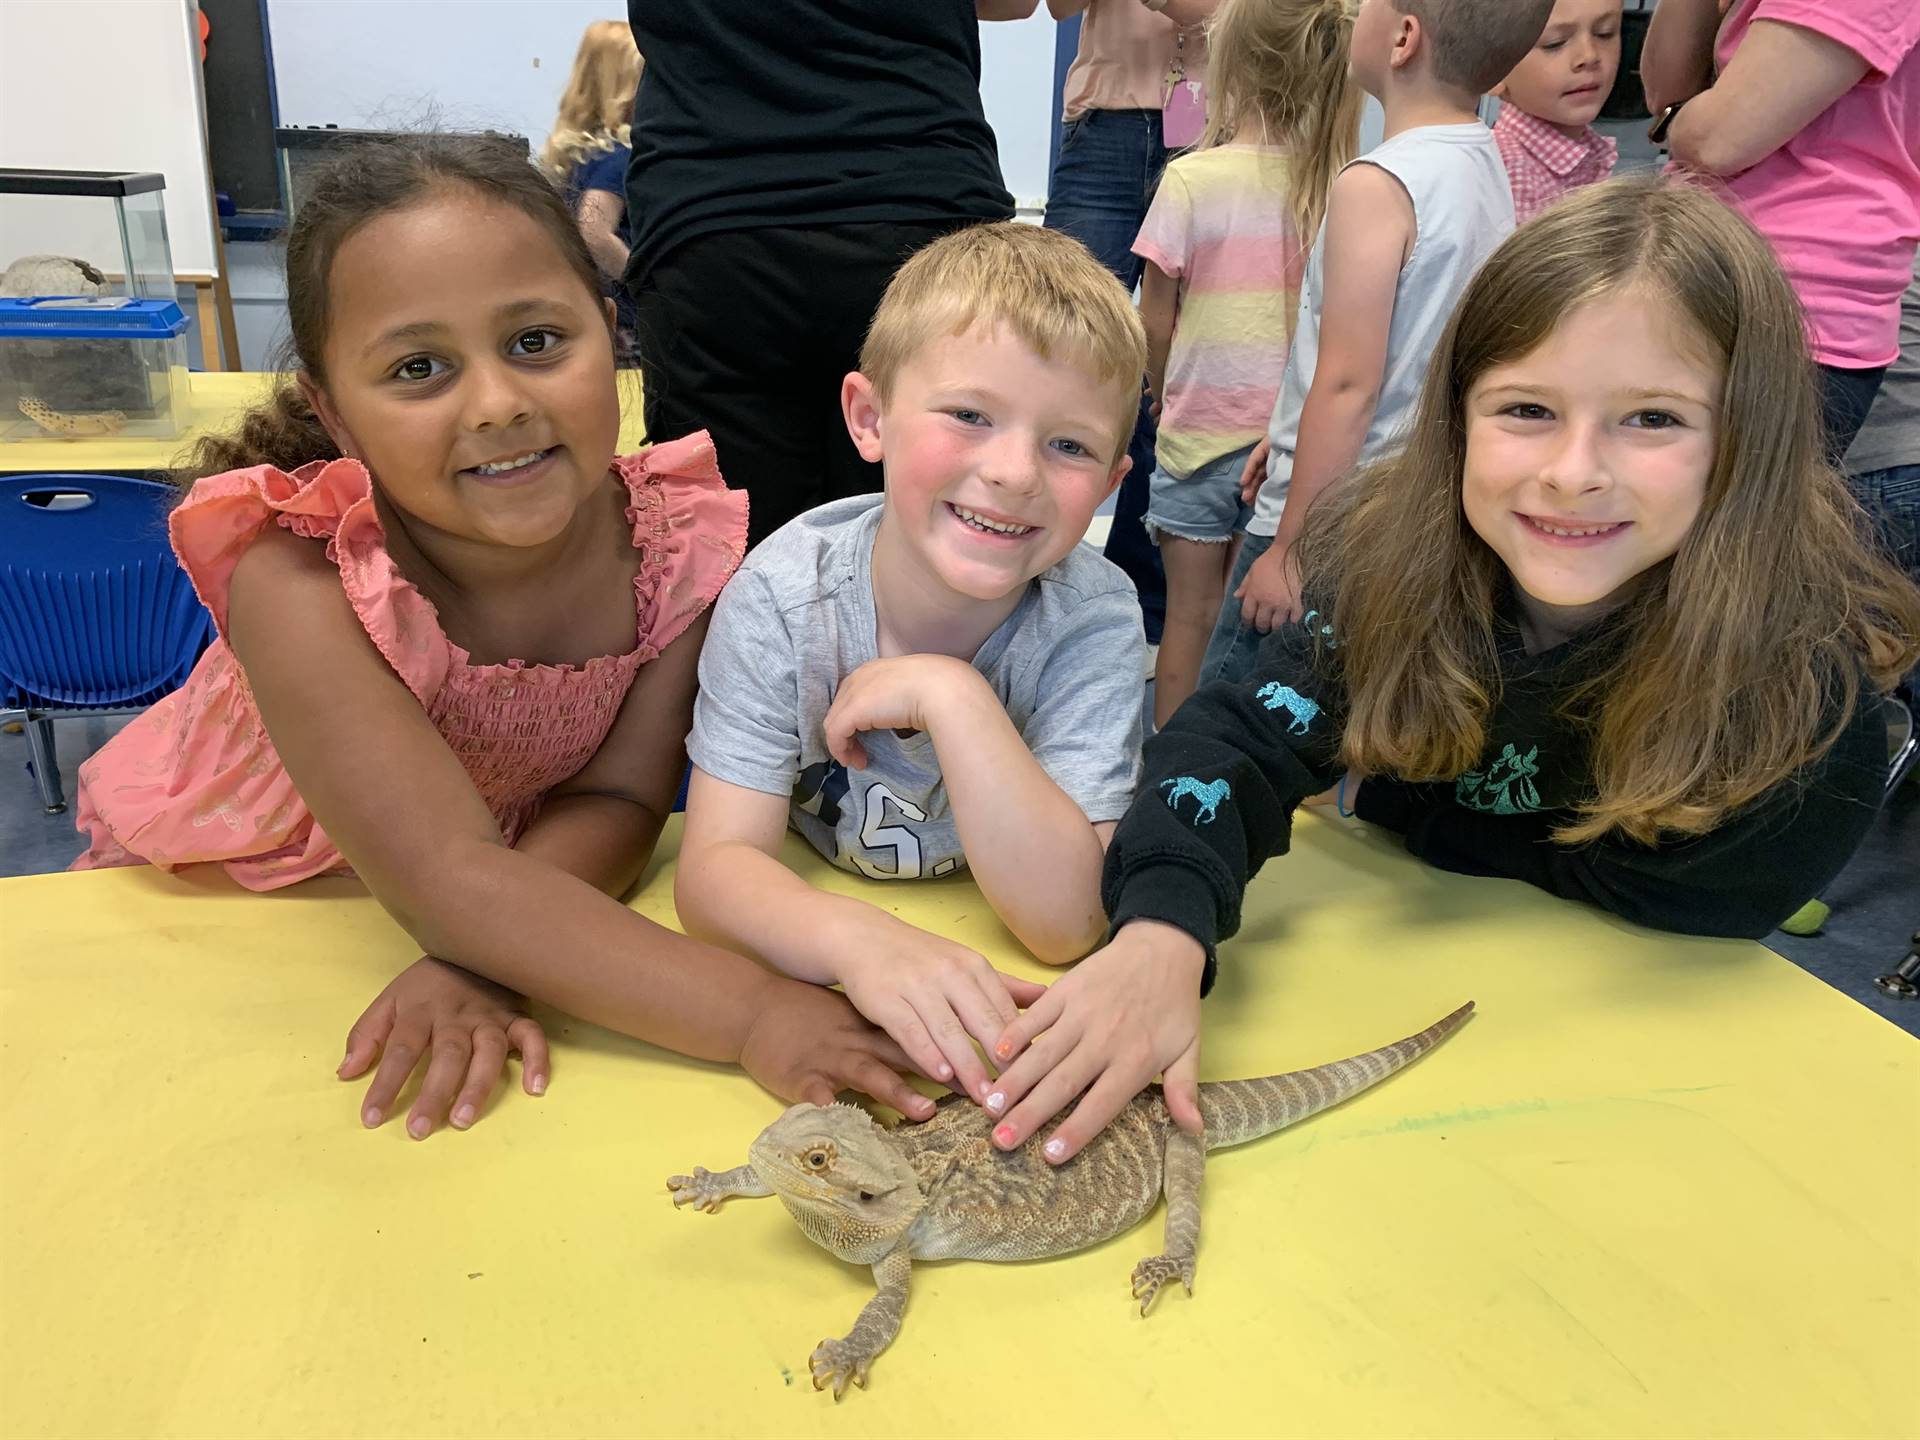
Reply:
x=1156, y=1270
x=703, y=1189
x=835, y=1362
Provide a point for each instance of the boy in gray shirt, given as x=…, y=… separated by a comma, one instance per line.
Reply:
x=943, y=676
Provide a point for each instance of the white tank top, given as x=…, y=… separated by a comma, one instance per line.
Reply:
x=1462, y=210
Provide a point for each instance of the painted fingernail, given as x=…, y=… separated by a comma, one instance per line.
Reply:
x=370, y=1117
x=996, y=1102
x=1003, y=1049
x=980, y=1090
x=419, y=1127
x=946, y=1072
x=538, y=1085
x=1055, y=1149
x=1003, y=1135
x=463, y=1117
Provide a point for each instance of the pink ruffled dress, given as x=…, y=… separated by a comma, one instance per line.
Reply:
x=196, y=778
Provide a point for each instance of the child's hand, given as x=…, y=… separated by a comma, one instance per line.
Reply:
x=1270, y=595
x=930, y=994
x=1128, y=1013
x=1255, y=473
x=809, y=1043
x=902, y=692
x=461, y=1025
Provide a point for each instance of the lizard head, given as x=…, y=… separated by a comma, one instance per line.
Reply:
x=841, y=1177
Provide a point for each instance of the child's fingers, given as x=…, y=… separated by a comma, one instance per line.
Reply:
x=405, y=1045
x=1051, y=1094
x=489, y=1059
x=869, y=1075
x=364, y=1040
x=1180, y=1086
x=526, y=1036
x=841, y=730
x=1108, y=1097
x=900, y=1021
x=1024, y=992
x=950, y=1031
x=996, y=995
x=446, y=1067
x=1017, y=1036
x=1039, y=1060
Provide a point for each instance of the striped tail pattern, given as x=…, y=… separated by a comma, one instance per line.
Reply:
x=1236, y=1111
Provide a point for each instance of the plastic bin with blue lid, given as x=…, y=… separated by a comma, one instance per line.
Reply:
x=87, y=367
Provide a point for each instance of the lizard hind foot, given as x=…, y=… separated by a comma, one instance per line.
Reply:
x=703, y=1189
x=835, y=1362
x=1156, y=1270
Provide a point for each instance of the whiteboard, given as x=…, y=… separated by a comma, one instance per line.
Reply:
x=104, y=85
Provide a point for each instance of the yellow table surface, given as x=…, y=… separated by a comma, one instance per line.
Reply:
x=218, y=398
x=1658, y=1186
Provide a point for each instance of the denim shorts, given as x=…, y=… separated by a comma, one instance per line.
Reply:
x=1202, y=506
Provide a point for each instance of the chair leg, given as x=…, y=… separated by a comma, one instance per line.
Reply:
x=46, y=766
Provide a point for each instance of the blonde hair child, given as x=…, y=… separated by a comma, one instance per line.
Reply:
x=587, y=152
x=1225, y=245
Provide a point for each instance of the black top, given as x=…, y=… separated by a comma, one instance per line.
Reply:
x=1222, y=780
x=806, y=112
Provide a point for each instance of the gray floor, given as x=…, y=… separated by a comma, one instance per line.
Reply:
x=1876, y=902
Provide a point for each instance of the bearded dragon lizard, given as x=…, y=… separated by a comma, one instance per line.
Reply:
x=939, y=1190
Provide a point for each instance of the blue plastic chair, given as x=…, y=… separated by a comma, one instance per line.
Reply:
x=96, y=615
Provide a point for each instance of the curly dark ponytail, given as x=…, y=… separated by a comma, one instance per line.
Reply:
x=359, y=183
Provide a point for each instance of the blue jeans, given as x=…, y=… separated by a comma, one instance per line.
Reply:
x=1231, y=650
x=1892, y=498
x=1103, y=180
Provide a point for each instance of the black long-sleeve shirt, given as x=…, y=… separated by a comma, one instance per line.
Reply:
x=1223, y=778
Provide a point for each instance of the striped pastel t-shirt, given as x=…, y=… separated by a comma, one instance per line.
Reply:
x=1220, y=224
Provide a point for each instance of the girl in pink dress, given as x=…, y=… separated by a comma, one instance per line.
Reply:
x=458, y=643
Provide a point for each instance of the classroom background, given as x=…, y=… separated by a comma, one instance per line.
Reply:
x=1711, y=1190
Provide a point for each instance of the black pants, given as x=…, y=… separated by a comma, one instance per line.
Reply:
x=748, y=334
x=1845, y=398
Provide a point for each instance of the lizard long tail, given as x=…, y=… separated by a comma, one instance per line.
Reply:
x=1241, y=1110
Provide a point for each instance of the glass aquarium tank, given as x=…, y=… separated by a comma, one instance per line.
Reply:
x=91, y=334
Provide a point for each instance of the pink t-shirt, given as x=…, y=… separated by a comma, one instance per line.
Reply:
x=1841, y=200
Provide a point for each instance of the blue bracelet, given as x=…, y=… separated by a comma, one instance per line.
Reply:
x=1340, y=800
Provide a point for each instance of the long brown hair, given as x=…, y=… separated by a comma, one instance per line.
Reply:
x=596, y=108
x=1738, y=661
x=359, y=183
x=1281, y=65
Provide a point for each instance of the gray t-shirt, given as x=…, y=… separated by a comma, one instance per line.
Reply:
x=1462, y=210
x=798, y=618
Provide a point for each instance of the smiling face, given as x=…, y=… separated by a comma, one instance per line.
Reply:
x=469, y=368
x=995, y=458
x=1587, y=459
x=1568, y=74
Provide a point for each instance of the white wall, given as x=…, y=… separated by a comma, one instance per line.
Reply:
x=103, y=85
x=501, y=64
x=1016, y=86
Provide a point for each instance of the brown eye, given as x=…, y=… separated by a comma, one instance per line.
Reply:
x=816, y=1159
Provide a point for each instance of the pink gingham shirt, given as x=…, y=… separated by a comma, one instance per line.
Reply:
x=1542, y=164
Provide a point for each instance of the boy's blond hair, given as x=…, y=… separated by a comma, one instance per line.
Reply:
x=1476, y=43
x=1044, y=287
